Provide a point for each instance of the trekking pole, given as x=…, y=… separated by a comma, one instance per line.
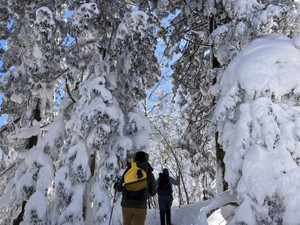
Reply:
x=155, y=207
x=112, y=209
x=149, y=203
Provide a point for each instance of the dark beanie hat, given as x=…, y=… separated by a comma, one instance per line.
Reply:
x=165, y=171
x=140, y=156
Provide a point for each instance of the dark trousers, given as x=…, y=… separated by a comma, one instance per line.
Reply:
x=165, y=203
x=163, y=218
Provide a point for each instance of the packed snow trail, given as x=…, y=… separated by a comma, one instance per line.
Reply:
x=179, y=215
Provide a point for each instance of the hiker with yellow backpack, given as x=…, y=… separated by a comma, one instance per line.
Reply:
x=136, y=185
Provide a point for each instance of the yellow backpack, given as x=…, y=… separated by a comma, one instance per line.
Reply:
x=135, y=179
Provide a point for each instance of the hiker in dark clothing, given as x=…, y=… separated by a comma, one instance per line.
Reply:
x=134, y=203
x=165, y=197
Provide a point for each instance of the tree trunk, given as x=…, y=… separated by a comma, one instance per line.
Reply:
x=179, y=195
x=221, y=183
x=86, y=208
x=19, y=219
x=220, y=154
x=204, y=180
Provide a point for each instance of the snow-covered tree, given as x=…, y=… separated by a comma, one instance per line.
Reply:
x=209, y=34
x=258, y=121
x=100, y=55
x=240, y=22
x=67, y=158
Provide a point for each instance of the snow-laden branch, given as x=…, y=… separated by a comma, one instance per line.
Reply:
x=220, y=200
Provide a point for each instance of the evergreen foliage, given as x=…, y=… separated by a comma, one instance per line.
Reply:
x=67, y=159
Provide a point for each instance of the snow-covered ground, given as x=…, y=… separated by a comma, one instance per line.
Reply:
x=184, y=215
x=221, y=218
x=188, y=215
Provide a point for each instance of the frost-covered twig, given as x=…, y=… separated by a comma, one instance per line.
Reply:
x=11, y=166
x=62, y=73
x=196, y=44
x=174, y=24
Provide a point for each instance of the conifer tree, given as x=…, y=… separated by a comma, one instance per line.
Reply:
x=69, y=155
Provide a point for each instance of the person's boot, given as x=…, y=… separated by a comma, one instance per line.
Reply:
x=162, y=219
x=169, y=218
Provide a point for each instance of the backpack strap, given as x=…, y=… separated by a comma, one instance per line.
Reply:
x=133, y=164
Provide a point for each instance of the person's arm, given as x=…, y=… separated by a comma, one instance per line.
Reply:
x=156, y=182
x=173, y=181
x=152, y=184
x=119, y=185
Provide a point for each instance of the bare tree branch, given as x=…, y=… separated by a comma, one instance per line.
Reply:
x=68, y=91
